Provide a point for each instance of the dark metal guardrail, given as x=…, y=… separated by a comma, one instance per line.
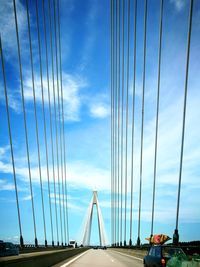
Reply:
x=40, y=259
x=32, y=248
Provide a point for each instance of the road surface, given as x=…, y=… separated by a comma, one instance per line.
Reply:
x=102, y=258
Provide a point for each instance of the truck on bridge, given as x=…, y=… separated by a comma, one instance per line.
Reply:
x=72, y=243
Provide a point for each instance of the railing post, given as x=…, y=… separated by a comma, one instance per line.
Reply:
x=175, y=237
x=21, y=241
x=36, y=242
x=138, y=241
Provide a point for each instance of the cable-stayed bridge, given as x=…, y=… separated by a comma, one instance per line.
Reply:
x=39, y=101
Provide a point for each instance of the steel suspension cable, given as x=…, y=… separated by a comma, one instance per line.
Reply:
x=63, y=125
x=157, y=115
x=111, y=111
x=55, y=118
x=142, y=124
x=59, y=116
x=44, y=121
x=133, y=121
x=114, y=115
x=113, y=127
x=122, y=122
x=113, y=124
x=50, y=118
x=126, y=136
x=24, y=119
x=176, y=235
x=11, y=144
x=36, y=122
x=116, y=124
x=118, y=134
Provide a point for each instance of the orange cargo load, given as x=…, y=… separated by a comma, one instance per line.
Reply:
x=158, y=239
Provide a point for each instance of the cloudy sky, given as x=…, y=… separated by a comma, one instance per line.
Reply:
x=85, y=41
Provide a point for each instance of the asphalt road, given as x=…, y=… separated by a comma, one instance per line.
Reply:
x=102, y=258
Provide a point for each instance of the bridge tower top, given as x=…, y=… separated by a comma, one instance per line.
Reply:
x=88, y=225
x=94, y=198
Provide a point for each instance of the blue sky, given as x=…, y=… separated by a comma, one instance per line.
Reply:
x=85, y=39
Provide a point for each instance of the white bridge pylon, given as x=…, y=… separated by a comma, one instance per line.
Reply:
x=88, y=225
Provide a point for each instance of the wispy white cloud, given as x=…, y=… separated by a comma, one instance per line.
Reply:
x=13, y=99
x=179, y=4
x=73, y=207
x=88, y=176
x=26, y=198
x=7, y=25
x=84, y=175
x=72, y=85
x=5, y=167
x=99, y=111
x=91, y=36
x=80, y=174
x=3, y=151
x=99, y=107
x=5, y=185
x=73, y=97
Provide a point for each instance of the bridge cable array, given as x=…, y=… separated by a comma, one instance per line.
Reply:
x=127, y=121
x=25, y=124
x=119, y=121
x=133, y=118
x=120, y=68
x=11, y=143
x=142, y=123
x=120, y=29
x=111, y=122
x=63, y=129
x=36, y=127
x=54, y=31
x=122, y=125
x=50, y=117
x=176, y=234
x=44, y=118
x=55, y=117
